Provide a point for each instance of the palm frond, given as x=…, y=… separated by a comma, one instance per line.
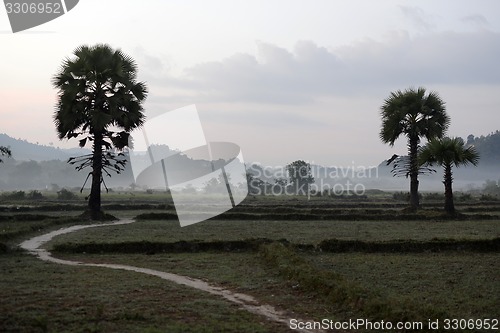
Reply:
x=97, y=88
x=401, y=167
x=448, y=151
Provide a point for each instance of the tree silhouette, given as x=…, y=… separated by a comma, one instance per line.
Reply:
x=401, y=166
x=99, y=101
x=414, y=114
x=5, y=151
x=448, y=152
x=300, y=176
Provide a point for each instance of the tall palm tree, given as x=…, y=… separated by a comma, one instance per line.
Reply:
x=414, y=114
x=448, y=152
x=100, y=101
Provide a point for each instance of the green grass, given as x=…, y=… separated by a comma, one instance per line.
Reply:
x=44, y=297
x=330, y=287
x=240, y=272
x=14, y=228
x=309, y=232
x=461, y=285
x=465, y=285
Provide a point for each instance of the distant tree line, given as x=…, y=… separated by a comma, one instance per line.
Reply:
x=33, y=175
x=488, y=147
x=297, y=181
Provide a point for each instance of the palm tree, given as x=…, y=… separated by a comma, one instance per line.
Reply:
x=97, y=95
x=414, y=114
x=448, y=152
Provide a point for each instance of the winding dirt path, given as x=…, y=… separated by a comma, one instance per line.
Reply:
x=34, y=246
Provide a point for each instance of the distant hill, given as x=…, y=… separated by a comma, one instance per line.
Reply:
x=35, y=166
x=488, y=148
x=23, y=150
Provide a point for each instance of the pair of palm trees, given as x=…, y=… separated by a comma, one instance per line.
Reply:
x=417, y=114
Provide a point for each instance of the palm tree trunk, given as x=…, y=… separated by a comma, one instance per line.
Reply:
x=95, y=190
x=413, y=151
x=449, y=206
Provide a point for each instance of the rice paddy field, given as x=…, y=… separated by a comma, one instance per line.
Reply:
x=320, y=258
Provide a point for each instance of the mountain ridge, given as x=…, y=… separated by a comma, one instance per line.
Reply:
x=488, y=147
x=23, y=150
x=38, y=166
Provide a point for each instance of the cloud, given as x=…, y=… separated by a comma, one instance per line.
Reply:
x=477, y=20
x=322, y=104
x=418, y=17
x=149, y=63
x=444, y=58
x=276, y=75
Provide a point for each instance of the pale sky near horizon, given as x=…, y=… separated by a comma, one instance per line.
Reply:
x=285, y=80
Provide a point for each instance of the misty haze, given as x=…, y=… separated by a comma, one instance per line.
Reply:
x=250, y=166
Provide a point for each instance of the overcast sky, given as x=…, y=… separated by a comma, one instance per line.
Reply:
x=285, y=80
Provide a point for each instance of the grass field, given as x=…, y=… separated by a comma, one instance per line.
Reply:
x=293, y=273
x=43, y=297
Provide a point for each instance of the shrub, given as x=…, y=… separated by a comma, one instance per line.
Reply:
x=404, y=196
x=488, y=197
x=65, y=194
x=35, y=195
x=464, y=197
x=16, y=195
x=491, y=188
x=401, y=196
x=434, y=196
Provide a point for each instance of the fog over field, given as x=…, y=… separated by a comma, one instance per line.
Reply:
x=44, y=167
x=248, y=166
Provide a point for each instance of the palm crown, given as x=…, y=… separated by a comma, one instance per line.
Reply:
x=414, y=114
x=97, y=91
x=448, y=152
